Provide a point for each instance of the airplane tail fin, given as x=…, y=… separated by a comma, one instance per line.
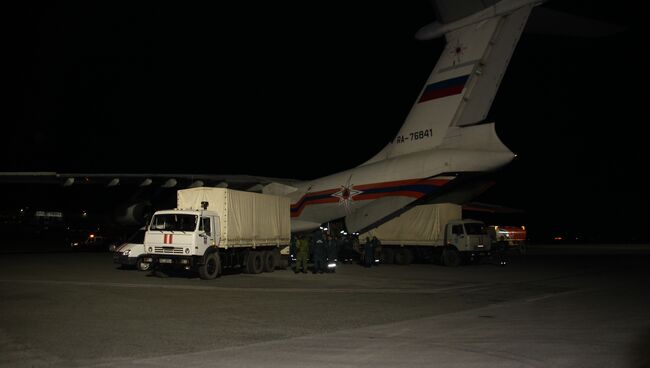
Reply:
x=462, y=86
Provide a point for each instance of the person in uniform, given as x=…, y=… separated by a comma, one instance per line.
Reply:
x=368, y=253
x=331, y=246
x=376, y=250
x=302, y=253
x=318, y=248
x=293, y=247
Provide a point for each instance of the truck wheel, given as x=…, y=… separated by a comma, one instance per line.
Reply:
x=142, y=266
x=451, y=257
x=211, y=267
x=254, y=262
x=268, y=259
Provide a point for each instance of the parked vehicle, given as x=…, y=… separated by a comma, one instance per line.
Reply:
x=433, y=232
x=129, y=253
x=82, y=240
x=216, y=228
x=509, y=238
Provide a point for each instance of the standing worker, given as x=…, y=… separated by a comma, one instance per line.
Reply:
x=293, y=247
x=318, y=248
x=376, y=250
x=368, y=254
x=302, y=252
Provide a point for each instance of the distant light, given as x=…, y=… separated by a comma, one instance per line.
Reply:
x=91, y=236
x=557, y=238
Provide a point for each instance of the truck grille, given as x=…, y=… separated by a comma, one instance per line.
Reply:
x=168, y=250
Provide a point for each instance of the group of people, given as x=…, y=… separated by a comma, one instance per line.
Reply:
x=322, y=249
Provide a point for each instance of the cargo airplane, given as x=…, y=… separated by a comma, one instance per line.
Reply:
x=443, y=144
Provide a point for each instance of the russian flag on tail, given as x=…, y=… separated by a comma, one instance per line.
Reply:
x=444, y=88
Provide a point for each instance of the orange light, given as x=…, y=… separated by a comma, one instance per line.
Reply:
x=557, y=238
x=91, y=236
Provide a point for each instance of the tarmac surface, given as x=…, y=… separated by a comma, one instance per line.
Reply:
x=556, y=307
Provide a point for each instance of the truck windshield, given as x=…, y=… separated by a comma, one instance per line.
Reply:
x=173, y=222
x=475, y=229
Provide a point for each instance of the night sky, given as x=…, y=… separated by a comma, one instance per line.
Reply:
x=101, y=87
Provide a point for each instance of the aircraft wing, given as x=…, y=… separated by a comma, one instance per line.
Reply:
x=240, y=182
x=142, y=192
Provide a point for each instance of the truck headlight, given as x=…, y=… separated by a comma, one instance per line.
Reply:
x=126, y=252
x=187, y=250
x=149, y=250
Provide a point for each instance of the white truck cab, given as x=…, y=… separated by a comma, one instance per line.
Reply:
x=182, y=232
x=186, y=238
x=468, y=235
x=465, y=240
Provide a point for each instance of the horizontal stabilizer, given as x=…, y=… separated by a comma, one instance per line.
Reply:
x=547, y=21
x=451, y=10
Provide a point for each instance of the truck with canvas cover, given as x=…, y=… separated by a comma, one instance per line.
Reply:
x=431, y=232
x=214, y=228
